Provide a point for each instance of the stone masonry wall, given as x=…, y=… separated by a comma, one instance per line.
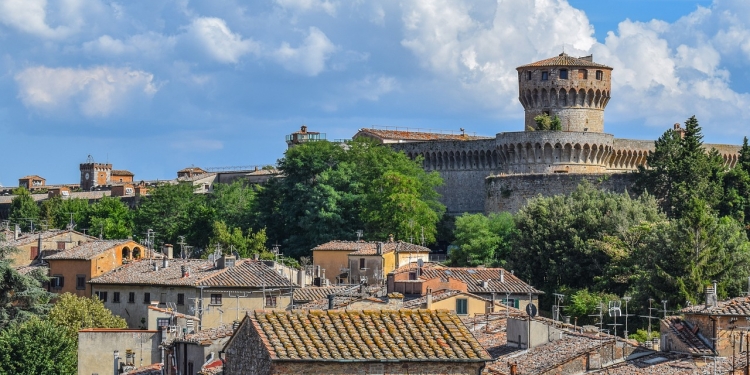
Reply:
x=510, y=193
x=246, y=353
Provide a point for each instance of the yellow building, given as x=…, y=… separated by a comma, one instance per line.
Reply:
x=461, y=303
x=34, y=246
x=353, y=262
x=70, y=270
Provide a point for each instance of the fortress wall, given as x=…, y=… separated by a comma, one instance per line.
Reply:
x=510, y=193
x=571, y=119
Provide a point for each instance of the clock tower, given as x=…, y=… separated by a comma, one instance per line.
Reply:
x=94, y=174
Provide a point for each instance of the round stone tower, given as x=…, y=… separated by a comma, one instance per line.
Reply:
x=574, y=89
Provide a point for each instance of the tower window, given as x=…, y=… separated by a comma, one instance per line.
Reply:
x=583, y=74
x=563, y=73
x=599, y=75
x=528, y=75
x=545, y=76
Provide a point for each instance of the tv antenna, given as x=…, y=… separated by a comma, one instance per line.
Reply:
x=650, y=316
x=626, y=299
x=360, y=232
x=615, y=311
x=559, y=298
x=599, y=315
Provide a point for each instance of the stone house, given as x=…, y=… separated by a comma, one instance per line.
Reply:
x=71, y=269
x=100, y=348
x=215, y=292
x=32, y=182
x=352, y=342
x=32, y=247
x=198, y=352
x=353, y=262
x=488, y=283
x=460, y=303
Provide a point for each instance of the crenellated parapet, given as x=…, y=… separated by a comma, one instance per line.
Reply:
x=453, y=155
x=554, y=152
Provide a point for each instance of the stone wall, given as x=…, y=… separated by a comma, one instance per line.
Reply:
x=510, y=192
x=246, y=353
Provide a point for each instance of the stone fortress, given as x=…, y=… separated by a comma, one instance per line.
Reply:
x=494, y=174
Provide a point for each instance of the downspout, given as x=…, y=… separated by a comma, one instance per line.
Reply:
x=200, y=311
x=714, y=329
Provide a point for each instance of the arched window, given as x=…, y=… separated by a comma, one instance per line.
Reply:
x=137, y=253
x=125, y=253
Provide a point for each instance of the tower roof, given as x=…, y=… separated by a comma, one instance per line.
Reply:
x=564, y=59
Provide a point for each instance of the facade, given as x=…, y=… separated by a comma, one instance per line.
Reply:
x=94, y=175
x=32, y=182
x=120, y=176
x=494, y=174
x=123, y=190
x=215, y=292
x=458, y=302
x=135, y=349
x=353, y=342
x=70, y=270
x=198, y=352
x=303, y=136
x=190, y=172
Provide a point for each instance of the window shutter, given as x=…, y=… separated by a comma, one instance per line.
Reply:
x=515, y=303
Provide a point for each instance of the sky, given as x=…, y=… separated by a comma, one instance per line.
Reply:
x=155, y=86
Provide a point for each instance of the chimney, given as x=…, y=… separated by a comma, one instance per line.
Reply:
x=168, y=251
x=301, y=276
x=502, y=275
x=379, y=248
x=156, y=266
x=492, y=307
x=256, y=256
x=429, y=301
x=330, y=301
x=711, y=299
x=39, y=246
x=164, y=262
x=17, y=232
x=485, y=284
x=396, y=300
x=514, y=369
x=390, y=237
x=185, y=271
x=235, y=325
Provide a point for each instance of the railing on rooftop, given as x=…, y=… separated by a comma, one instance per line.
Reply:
x=239, y=168
x=421, y=130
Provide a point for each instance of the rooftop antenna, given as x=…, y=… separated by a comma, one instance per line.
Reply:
x=614, y=312
x=650, y=316
x=664, y=303
x=559, y=298
x=71, y=223
x=237, y=307
x=626, y=299
x=423, y=242
x=599, y=315
x=359, y=234
x=182, y=246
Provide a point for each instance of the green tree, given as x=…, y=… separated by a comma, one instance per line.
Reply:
x=545, y=122
x=584, y=303
x=75, y=313
x=234, y=204
x=110, y=218
x=680, y=170
x=230, y=239
x=21, y=296
x=37, y=347
x=736, y=200
x=482, y=240
x=23, y=209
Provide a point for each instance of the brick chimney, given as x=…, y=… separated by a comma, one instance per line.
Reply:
x=168, y=251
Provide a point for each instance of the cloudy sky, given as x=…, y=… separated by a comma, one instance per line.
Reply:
x=154, y=86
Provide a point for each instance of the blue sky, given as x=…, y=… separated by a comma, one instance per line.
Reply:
x=155, y=86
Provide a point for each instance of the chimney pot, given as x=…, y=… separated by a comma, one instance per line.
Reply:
x=429, y=300
x=330, y=301
x=165, y=262
x=502, y=275
x=390, y=238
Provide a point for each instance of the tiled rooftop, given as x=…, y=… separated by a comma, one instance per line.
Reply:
x=245, y=273
x=660, y=363
x=322, y=303
x=473, y=278
x=739, y=306
x=417, y=136
x=686, y=333
x=402, y=335
x=208, y=336
x=197, y=177
x=312, y=293
x=547, y=356
x=86, y=250
x=370, y=248
x=27, y=238
x=175, y=313
x=564, y=59
x=121, y=172
x=25, y=270
x=154, y=369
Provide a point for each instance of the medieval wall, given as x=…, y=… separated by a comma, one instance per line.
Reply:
x=510, y=192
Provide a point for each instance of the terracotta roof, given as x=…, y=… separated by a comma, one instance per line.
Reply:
x=175, y=313
x=208, y=336
x=196, y=177
x=88, y=250
x=121, y=172
x=370, y=247
x=401, y=335
x=27, y=238
x=154, y=369
x=417, y=136
x=245, y=273
x=312, y=293
x=25, y=270
x=686, y=332
x=564, y=59
x=191, y=169
x=32, y=177
x=473, y=278
x=339, y=302
x=663, y=363
x=739, y=306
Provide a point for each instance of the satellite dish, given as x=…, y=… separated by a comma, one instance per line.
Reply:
x=420, y=262
x=531, y=310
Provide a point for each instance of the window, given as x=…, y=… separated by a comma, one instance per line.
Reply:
x=162, y=322
x=545, y=76
x=60, y=245
x=528, y=75
x=34, y=252
x=270, y=301
x=216, y=299
x=57, y=282
x=163, y=299
x=102, y=296
x=116, y=297
x=146, y=297
x=131, y=297
x=413, y=275
x=563, y=73
x=180, y=298
x=361, y=263
x=510, y=302
x=599, y=75
x=80, y=282
x=583, y=74
x=462, y=306
x=128, y=191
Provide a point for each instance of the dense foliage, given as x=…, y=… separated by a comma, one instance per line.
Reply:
x=21, y=296
x=76, y=313
x=482, y=240
x=37, y=347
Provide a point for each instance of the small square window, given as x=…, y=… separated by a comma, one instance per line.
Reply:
x=57, y=282
x=163, y=299
x=413, y=275
x=563, y=73
x=583, y=74
x=216, y=299
x=147, y=298
x=131, y=297
x=102, y=296
x=270, y=301
x=180, y=298
x=163, y=322
x=361, y=263
x=528, y=75
x=599, y=75
x=80, y=282
x=116, y=297
x=545, y=76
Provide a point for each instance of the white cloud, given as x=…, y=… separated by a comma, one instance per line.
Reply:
x=213, y=35
x=30, y=16
x=97, y=91
x=307, y=5
x=309, y=58
x=372, y=87
x=145, y=45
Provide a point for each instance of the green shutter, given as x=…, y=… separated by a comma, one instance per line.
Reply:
x=515, y=303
